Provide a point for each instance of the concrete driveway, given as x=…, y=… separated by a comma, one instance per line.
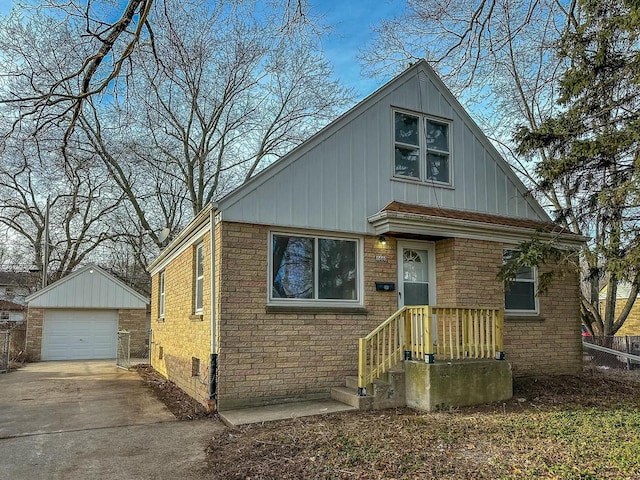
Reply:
x=63, y=420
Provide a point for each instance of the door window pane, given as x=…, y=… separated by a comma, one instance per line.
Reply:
x=337, y=275
x=416, y=293
x=415, y=273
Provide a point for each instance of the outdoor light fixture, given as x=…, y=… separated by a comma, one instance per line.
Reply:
x=382, y=240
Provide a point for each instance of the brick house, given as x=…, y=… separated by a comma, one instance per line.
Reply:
x=395, y=210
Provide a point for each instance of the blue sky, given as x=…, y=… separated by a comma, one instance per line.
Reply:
x=352, y=24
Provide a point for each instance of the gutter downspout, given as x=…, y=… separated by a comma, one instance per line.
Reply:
x=213, y=358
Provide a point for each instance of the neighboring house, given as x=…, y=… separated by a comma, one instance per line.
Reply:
x=11, y=312
x=14, y=288
x=631, y=325
x=401, y=201
x=78, y=317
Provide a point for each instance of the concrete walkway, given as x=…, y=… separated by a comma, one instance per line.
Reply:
x=77, y=420
x=54, y=397
x=285, y=411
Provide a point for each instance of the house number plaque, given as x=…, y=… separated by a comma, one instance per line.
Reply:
x=381, y=258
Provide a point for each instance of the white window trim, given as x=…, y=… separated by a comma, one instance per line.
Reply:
x=524, y=313
x=316, y=302
x=162, y=297
x=197, y=279
x=422, y=148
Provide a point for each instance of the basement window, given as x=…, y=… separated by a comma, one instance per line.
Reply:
x=195, y=367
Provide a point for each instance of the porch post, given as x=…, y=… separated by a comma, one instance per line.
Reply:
x=407, y=337
x=427, y=320
x=362, y=366
x=500, y=335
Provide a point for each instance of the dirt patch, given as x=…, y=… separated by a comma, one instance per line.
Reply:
x=550, y=429
x=177, y=401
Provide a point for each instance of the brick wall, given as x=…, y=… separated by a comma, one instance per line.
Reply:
x=266, y=357
x=551, y=344
x=136, y=322
x=547, y=344
x=181, y=334
x=269, y=355
x=35, y=317
x=466, y=273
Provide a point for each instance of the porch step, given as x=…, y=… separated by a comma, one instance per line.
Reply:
x=386, y=392
x=351, y=381
x=350, y=397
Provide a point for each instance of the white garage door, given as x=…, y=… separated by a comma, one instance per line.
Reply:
x=79, y=334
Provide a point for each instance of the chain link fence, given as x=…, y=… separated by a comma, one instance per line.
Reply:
x=133, y=348
x=612, y=353
x=5, y=347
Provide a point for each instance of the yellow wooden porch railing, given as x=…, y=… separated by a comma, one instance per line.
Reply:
x=424, y=333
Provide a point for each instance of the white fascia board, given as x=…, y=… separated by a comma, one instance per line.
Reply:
x=183, y=240
x=399, y=222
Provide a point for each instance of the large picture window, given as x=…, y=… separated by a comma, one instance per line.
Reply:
x=199, y=278
x=314, y=268
x=421, y=148
x=520, y=293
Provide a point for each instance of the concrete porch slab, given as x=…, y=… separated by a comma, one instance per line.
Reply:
x=284, y=411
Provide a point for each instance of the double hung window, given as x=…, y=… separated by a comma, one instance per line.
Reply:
x=198, y=280
x=422, y=148
x=161, y=295
x=520, y=293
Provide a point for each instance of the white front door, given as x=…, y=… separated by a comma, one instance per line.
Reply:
x=416, y=273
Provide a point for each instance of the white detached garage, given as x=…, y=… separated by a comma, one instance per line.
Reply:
x=78, y=317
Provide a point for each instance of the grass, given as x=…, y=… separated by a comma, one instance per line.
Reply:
x=584, y=427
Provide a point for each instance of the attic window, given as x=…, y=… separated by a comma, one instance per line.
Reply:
x=422, y=148
x=4, y=316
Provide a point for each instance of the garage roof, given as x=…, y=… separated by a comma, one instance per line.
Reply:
x=89, y=287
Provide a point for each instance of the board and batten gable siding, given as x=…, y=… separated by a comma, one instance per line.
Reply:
x=89, y=287
x=343, y=175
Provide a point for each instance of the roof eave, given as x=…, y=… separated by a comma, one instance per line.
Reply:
x=412, y=223
x=201, y=219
